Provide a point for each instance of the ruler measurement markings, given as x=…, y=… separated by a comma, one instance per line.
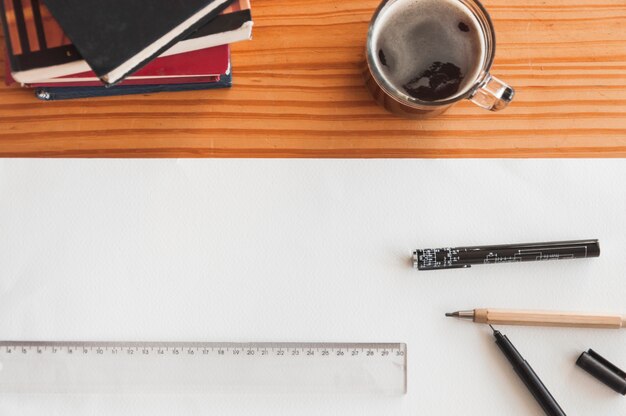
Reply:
x=41, y=347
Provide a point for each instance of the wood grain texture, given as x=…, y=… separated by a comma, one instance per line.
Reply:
x=299, y=93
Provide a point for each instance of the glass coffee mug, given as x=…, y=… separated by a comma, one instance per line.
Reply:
x=425, y=55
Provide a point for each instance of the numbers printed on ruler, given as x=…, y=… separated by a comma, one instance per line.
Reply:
x=278, y=350
x=136, y=367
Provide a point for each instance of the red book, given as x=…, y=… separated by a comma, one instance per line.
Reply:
x=147, y=81
x=203, y=65
x=8, y=79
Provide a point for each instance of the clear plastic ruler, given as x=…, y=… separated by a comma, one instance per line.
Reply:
x=199, y=368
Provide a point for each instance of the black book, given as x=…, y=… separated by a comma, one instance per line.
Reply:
x=71, y=93
x=117, y=37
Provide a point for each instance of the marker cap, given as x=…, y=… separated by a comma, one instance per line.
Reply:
x=603, y=370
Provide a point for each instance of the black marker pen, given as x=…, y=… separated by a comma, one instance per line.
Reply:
x=464, y=257
x=528, y=376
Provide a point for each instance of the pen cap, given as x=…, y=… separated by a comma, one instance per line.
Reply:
x=593, y=248
x=603, y=370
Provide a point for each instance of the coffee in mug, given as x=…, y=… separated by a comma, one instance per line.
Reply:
x=425, y=55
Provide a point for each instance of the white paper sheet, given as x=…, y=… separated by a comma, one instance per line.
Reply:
x=309, y=250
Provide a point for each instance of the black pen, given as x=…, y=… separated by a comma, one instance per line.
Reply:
x=528, y=376
x=464, y=257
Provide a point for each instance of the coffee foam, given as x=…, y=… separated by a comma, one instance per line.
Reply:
x=413, y=34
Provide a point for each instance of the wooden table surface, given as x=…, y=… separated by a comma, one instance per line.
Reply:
x=299, y=93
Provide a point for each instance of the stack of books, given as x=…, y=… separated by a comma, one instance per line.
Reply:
x=89, y=48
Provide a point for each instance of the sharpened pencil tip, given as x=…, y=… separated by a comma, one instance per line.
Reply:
x=452, y=314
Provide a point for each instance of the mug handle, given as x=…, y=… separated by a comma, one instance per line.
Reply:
x=493, y=94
